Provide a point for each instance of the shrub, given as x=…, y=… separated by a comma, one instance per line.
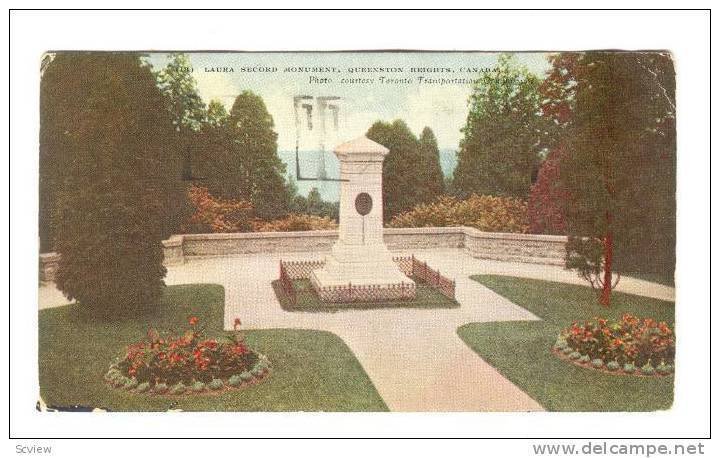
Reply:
x=216, y=384
x=112, y=374
x=160, y=388
x=567, y=350
x=235, y=380
x=213, y=214
x=486, y=213
x=314, y=205
x=172, y=359
x=613, y=365
x=584, y=359
x=664, y=369
x=198, y=387
x=548, y=198
x=295, y=222
x=597, y=363
x=574, y=355
x=246, y=376
x=259, y=369
x=630, y=340
x=647, y=369
x=130, y=384
x=143, y=387
x=560, y=343
x=629, y=368
x=178, y=388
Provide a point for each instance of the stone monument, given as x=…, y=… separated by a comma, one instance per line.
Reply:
x=360, y=259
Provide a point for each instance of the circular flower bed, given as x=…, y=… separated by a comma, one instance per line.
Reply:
x=187, y=364
x=629, y=346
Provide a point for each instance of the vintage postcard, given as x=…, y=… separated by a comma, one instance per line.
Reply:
x=405, y=231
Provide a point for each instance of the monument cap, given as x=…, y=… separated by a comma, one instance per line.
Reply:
x=361, y=145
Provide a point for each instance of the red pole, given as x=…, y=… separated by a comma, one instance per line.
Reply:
x=607, y=270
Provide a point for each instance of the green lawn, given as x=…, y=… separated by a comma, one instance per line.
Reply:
x=664, y=278
x=426, y=297
x=312, y=370
x=520, y=350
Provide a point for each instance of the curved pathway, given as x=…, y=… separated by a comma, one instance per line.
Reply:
x=413, y=356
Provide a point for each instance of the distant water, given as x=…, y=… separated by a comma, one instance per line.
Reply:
x=310, y=167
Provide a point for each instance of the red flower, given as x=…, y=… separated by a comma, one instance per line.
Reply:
x=239, y=349
x=193, y=320
x=210, y=343
x=175, y=358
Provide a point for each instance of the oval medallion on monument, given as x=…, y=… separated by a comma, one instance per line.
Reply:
x=363, y=203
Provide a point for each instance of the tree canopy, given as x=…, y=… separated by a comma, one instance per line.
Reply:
x=252, y=143
x=106, y=125
x=501, y=143
x=186, y=107
x=620, y=170
x=430, y=169
x=405, y=169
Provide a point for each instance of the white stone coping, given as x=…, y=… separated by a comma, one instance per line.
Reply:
x=258, y=235
x=49, y=257
x=334, y=233
x=176, y=242
x=472, y=232
x=173, y=241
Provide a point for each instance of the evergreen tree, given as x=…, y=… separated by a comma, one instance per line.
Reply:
x=548, y=197
x=403, y=184
x=500, y=148
x=120, y=181
x=216, y=114
x=620, y=170
x=430, y=171
x=186, y=107
x=214, y=166
x=252, y=143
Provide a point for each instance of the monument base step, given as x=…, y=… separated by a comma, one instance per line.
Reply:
x=376, y=285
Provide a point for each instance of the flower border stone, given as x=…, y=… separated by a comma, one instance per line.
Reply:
x=187, y=364
x=619, y=371
x=631, y=346
x=258, y=373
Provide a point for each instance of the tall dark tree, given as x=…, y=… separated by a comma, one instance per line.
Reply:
x=620, y=167
x=104, y=114
x=548, y=197
x=403, y=184
x=217, y=115
x=187, y=109
x=501, y=143
x=55, y=146
x=430, y=171
x=253, y=146
x=214, y=166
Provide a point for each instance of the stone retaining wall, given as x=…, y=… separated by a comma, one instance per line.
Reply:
x=529, y=248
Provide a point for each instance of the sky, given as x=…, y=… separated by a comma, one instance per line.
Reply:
x=364, y=97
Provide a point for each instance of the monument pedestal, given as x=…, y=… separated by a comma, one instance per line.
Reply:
x=360, y=267
x=373, y=266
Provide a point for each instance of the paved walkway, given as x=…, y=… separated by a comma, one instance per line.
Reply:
x=414, y=357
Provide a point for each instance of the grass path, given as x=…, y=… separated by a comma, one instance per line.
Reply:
x=312, y=370
x=520, y=350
